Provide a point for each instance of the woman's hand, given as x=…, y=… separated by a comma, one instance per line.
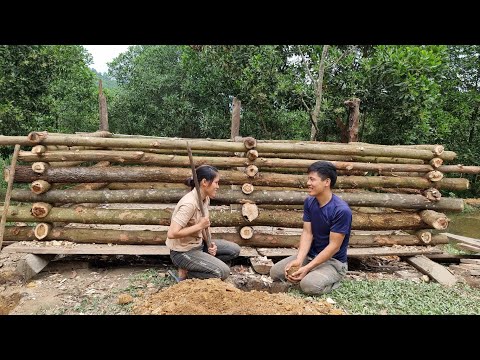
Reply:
x=212, y=250
x=204, y=222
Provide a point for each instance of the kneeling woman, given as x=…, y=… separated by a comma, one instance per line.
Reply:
x=184, y=236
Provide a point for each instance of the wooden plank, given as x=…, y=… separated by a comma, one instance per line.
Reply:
x=102, y=249
x=470, y=261
x=435, y=271
x=467, y=247
x=463, y=239
x=248, y=251
x=273, y=252
x=32, y=264
x=358, y=252
x=451, y=258
x=89, y=249
x=390, y=251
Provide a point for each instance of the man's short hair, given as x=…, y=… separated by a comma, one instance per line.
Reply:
x=324, y=169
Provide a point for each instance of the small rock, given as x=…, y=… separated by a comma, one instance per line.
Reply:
x=124, y=299
x=330, y=300
x=425, y=278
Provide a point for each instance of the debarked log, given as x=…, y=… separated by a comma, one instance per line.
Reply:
x=138, y=157
x=150, y=173
x=148, y=237
x=228, y=196
x=361, y=221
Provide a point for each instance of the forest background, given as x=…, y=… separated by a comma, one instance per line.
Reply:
x=422, y=94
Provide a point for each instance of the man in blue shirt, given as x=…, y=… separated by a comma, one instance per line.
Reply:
x=327, y=221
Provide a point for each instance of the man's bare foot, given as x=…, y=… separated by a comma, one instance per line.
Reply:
x=182, y=273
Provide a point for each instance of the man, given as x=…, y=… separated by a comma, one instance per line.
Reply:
x=327, y=221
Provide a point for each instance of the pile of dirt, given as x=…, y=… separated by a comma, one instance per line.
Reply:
x=215, y=297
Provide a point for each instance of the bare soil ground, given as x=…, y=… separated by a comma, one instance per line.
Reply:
x=120, y=285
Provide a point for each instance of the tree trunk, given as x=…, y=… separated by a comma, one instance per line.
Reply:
x=318, y=87
x=353, y=118
x=397, y=221
x=102, y=105
x=227, y=196
x=143, y=174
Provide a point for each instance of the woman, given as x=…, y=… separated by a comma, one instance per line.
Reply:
x=184, y=236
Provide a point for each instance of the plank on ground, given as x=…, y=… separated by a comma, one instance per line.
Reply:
x=435, y=271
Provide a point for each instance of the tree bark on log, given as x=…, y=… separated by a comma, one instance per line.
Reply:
x=227, y=196
x=148, y=237
x=150, y=173
x=397, y=221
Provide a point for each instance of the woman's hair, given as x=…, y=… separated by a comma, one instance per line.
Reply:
x=206, y=172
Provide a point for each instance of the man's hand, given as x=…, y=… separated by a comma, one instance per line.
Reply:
x=212, y=250
x=298, y=275
x=295, y=264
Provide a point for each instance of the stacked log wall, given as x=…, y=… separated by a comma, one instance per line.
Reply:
x=391, y=189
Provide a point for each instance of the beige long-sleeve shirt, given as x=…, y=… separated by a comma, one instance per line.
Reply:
x=187, y=213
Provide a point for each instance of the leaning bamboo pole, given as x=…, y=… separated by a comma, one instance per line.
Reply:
x=361, y=221
x=150, y=173
x=228, y=196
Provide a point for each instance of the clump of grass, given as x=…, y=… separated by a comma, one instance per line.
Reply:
x=404, y=297
x=451, y=249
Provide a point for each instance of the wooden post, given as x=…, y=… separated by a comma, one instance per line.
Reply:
x=235, y=133
x=9, y=192
x=235, y=129
x=102, y=102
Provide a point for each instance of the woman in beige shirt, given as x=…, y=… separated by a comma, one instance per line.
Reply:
x=184, y=236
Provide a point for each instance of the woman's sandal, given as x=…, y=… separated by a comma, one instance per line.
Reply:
x=175, y=277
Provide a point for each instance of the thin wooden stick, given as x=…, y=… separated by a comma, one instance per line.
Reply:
x=9, y=193
x=206, y=233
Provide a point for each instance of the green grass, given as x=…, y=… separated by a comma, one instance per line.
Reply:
x=403, y=297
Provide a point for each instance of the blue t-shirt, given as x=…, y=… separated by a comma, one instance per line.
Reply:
x=334, y=216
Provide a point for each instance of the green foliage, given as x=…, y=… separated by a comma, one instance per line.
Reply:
x=46, y=87
x=404, y=297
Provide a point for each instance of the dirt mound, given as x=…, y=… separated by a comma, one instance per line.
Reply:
x=215, y=297
x=8, y=303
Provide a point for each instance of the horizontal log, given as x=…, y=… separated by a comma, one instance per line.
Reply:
x=138, y=157
x=293, y=219
x=148, y=237
x=75, y=140
x=228, y=196
x=149, y=173
x=459, y=169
